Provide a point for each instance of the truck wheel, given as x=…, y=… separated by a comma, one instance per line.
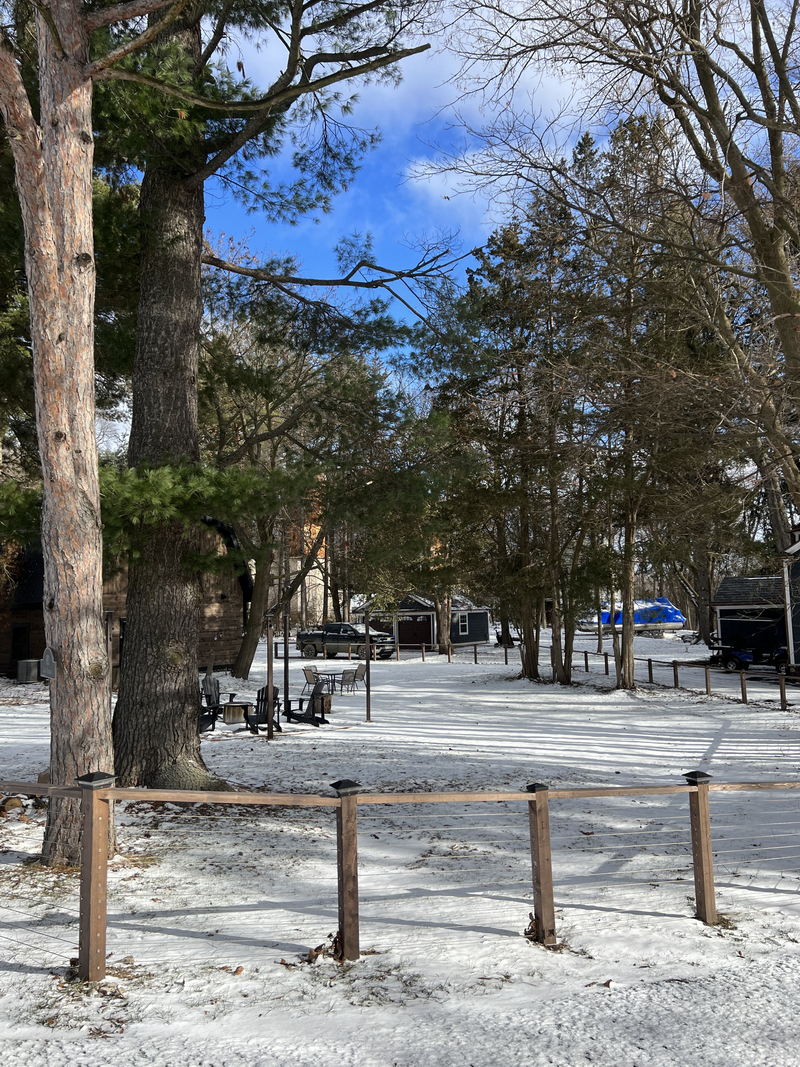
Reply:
x=361, y=651
x=732, y=664
x=309, y=651
x=330, y=654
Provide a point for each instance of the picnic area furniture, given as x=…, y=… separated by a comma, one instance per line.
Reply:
x=311, y=678
x=347, y=681
x=317, y=704
x=330, y=679
x=260, y=716
x=212, y=707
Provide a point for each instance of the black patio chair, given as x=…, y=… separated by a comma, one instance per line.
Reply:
x=314, y=712
x=260, y=717
x=210, y=707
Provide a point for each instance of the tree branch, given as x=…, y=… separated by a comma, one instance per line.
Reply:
x=122, y=12
x=107, y=61
x=430, y=267
x=265, y=105
x=283, y=98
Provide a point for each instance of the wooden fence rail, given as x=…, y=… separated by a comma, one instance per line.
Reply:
x=98, y=794
x=677, y=667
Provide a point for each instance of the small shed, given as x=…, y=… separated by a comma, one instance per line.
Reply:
x=751, y=613
x=413, y=621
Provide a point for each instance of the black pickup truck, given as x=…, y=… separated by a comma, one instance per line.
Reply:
x=334, y=637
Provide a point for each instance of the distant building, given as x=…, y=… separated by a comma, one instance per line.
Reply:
x=762, y=613
x=413, y=621
x=226, y=596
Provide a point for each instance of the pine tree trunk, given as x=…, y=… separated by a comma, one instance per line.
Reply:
x=53, y=166
x=155, y=725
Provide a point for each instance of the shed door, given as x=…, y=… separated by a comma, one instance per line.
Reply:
x=414, y=629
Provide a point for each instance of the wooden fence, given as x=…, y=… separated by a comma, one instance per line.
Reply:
x=676, y=667
x=98, y=794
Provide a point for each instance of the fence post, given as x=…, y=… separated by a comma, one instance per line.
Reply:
x=702, y=861
x=650, y=670
x=675, y=679
x=475, y=653
x=708, y=680
x=368, y=675
x=605, y=662
x=743, y=684
x=542, y=864
x=505, y=659
x=782, y=687
x=347, y=868
x=423, y=652
x=96, y=813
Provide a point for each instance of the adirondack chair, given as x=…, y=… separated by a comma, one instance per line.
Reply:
x=260, y=717
x=211, y=710
x=314, y=712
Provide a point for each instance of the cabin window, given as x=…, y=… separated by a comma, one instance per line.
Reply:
x=463, y=623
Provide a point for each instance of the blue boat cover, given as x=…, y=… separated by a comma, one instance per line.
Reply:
x=658, y=614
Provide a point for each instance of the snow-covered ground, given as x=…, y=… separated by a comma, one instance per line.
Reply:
x=212, y=912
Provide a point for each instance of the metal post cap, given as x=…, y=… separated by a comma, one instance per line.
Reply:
x=345, y=787
x=96, y=780
x=697, y=777
x=536, y=787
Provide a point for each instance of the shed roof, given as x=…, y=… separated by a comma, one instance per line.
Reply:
x=755, y=591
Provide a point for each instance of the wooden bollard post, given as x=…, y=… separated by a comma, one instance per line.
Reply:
x=423, y=653
x=702, y=861
x=676, y=682
x=347, y=868
x=708, y=680
x=650, y=670
x=782, y=687
x=542, y=864
x=449, y=653
x=93, y=916
x=475, y=653
x=605, y=662
x=586, y=662
x=743, y=685
x=397, y=651
x=505, y=654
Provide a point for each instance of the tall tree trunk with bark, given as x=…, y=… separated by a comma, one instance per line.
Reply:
x=53, y=164
x=443, y=608
x=259, y=602
x=531, y=633
x=155, y=724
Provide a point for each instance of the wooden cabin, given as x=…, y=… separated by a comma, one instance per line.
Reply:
x=226, y=599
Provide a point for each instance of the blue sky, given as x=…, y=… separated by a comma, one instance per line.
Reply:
x=385, y=200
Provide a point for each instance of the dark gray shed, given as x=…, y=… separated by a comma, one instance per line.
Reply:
x=751, y=613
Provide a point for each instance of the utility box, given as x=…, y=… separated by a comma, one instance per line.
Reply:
x=28, y=670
